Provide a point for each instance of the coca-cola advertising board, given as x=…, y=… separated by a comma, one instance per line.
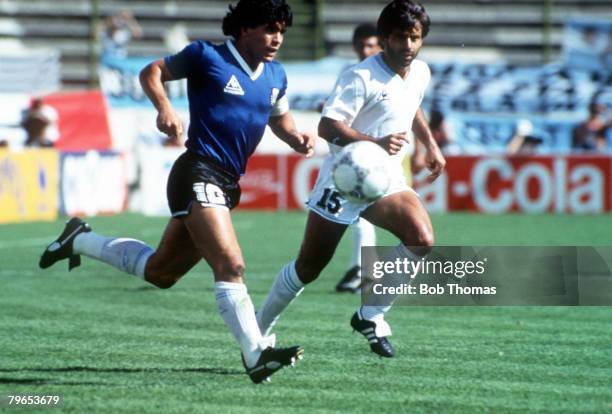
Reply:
x=576, y=184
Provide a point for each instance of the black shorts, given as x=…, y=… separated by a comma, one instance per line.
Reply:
x=194, y=178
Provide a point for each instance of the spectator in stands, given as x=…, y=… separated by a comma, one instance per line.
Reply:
x=40, y=123
x=440, y=131
x=590, y=135
x=524, y=141
x=596, y=41
x=117, y=32
x=176, y=38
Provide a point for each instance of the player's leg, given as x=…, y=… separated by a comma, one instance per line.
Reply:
x=321, y=238
x=174, y=257
x=329, y=216
x=176, y=254
x=404, y=215
x=364, y=234
x=213, y=235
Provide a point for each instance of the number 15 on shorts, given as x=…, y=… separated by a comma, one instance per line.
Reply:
x=331, y=201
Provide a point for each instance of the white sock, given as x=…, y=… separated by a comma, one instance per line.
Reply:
x=376, y=313
x=237, y=311
x=127, y=255
x=364, y=234
x=286, y=287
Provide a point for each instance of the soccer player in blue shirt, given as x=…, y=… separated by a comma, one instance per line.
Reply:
x=234, y=90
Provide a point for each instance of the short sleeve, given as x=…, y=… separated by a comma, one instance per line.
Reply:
x=184, y=63
x=281, y=107
x=283, y=78
x=347, y=99
x=281, y=103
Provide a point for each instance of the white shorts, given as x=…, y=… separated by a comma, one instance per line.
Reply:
x=327, y=202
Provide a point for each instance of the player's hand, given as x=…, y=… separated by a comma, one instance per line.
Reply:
x=435, y=163
x=306, y=143
x=170, y=124
x=393, y=143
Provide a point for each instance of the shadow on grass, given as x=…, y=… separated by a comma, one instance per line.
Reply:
x=48, y=381
x=216, y=371
x=53, y=381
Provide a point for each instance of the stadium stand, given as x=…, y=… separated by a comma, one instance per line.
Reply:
x=486, y=30
x=514, y=31
x=70, y=27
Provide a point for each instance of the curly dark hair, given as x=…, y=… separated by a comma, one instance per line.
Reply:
x=254, y=13
x=403, y=15
x=364, y=31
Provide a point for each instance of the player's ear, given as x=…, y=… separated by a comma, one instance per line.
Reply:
x=243, y=31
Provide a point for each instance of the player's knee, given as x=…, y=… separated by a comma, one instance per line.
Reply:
x=229, y=270
x=162, y=274
x=308, y=271
x=423, y=238
x=162, y=281
x=165, y=283
x=236, y=269
x=426, y=238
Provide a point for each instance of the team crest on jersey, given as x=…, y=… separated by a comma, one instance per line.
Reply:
x=274, y=96
x=233, y=87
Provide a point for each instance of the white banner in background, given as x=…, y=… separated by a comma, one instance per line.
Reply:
x=93, y=183
x=29, y=71
x=149, y=197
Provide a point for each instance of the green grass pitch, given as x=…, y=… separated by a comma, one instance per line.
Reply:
x=110, y=343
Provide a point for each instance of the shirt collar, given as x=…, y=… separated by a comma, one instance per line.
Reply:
x=252, y=74
x=381, y=62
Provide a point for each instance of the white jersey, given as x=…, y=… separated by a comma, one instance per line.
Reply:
x=374, y=100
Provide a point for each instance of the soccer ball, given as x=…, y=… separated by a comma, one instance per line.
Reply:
x=360, y=172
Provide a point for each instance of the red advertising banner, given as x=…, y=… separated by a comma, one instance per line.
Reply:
x=572, y=184
x=262, y=186
x=83, y=121
x=534, y=184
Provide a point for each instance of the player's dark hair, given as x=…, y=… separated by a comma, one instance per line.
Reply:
x=403, y=15
x=364, y=31
x=254, y=13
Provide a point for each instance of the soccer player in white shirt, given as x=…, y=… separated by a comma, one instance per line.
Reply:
x=378, y=100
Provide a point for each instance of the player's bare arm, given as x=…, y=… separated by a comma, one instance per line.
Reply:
x=434, y=159
x=339, y=133
x=283, y=127
x=152, y=79
x=417, y=159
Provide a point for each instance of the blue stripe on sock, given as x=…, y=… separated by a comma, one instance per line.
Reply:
x=290, y=284
x=222, y=295
x=144, y=250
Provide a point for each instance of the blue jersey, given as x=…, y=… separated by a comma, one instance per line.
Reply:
x=229, y=104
